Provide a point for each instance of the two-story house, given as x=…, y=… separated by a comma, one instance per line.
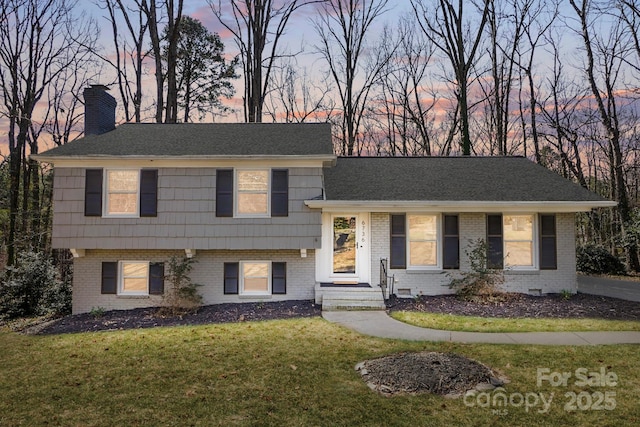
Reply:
x=269, y=212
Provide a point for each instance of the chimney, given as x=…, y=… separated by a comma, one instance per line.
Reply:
x=99, y=110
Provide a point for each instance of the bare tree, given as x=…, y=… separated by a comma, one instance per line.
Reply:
x=38, y=41
x=131, y=49
x=255, y=25
x=449, y=29
x=610, y=51
x=407, y=100
x=343, y=26
x=296, y=96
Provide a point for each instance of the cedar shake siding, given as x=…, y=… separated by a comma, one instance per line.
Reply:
x=182, y=213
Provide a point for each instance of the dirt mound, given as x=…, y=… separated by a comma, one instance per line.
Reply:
x=427, y=372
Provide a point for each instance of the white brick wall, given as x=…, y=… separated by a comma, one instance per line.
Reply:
x=208, y=272
x=473, y=227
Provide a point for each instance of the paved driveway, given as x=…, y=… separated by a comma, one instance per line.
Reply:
x=623, y=289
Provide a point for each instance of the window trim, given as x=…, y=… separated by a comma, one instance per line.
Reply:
x=241, y=290
x=121, y=278
x=535, y=244
x=439, y=243
x=236, y=193
x=105, y=193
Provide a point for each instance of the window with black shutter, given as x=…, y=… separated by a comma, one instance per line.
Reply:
x=156, y=278
x=149, y=193
x=224, y=193
x=279, y=192
x=548, y=249
x=279, y=278
x=398, y=258
x=495, y=257
x=109, y=278
x=231, y=277
x=93, y=192
x=451, y=243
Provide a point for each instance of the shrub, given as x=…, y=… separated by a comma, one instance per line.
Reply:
x=481, y=283
x=31, y=288
x=182, y=296
x=592, y=259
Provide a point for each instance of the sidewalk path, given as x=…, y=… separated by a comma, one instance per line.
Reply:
x=379, y=324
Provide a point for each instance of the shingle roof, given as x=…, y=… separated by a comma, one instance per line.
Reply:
x=500, y=179
x=195, y=139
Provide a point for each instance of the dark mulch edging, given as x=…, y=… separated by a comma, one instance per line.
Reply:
x=149, y=318
x=519, y=305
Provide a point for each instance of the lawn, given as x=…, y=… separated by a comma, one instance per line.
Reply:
x=282, y=373
x=452, y=322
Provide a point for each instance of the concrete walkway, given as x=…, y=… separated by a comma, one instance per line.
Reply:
x=379, y=324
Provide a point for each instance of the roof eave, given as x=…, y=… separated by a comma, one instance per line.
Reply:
x=457, y=206
x=81, y=160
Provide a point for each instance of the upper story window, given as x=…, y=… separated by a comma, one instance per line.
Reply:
x=122, y=188
x=252, y=193
x=121, y=192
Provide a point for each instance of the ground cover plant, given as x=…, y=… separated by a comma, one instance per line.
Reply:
x=282, y=373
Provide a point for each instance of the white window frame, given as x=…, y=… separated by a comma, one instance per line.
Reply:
x=439, y=242
x=121, y=278
x=106, y=192
x=534, y=244
x=236, y=193
x=241, y=290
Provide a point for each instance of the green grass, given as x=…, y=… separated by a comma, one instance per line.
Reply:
x=484, y=324
x=278, y=373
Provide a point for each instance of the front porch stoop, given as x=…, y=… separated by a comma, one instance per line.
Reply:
x=350, y=298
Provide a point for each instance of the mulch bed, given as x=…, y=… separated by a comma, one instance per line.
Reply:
x=446, y=374
x=149, y=317
x=517, y=305
x=520, y=305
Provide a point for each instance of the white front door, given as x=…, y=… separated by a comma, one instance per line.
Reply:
x=345, y=245
x=344, y=255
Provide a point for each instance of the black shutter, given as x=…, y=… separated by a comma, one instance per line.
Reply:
x=495, y=257
x=156, y=278
x=149, y=192
x=109, y=278
x=231, y=277
x=224, y=193
x=93, y=192
x=279, y=278
x=548, y=249
x=451, y=243
x=398, y=241
x=280, y=192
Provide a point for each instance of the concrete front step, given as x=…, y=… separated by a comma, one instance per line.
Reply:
x=349, y=299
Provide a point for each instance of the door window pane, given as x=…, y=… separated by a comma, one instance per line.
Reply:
x=344, y=244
